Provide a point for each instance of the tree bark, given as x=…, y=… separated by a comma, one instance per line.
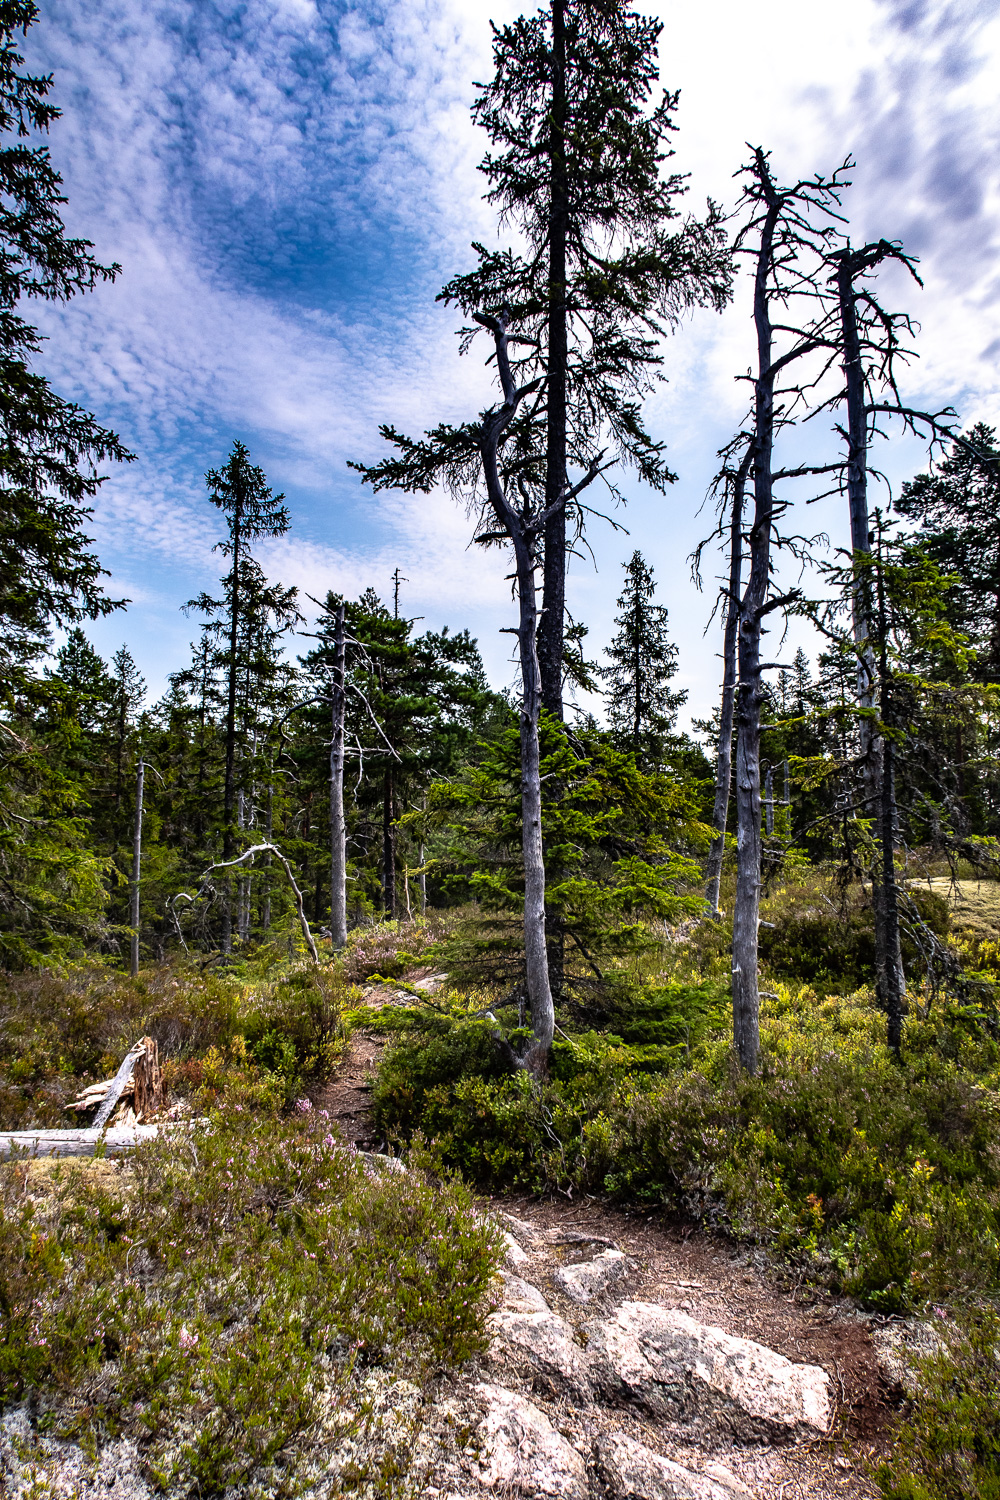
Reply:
x=140, y=777
x=265, y=915
x=890, y=980
x=338, y=828
x=535, y=947
x=243, y=884
x=552, y=628
x=746, y=913
x=388, y=844
x=519, y=529
x=724, y=752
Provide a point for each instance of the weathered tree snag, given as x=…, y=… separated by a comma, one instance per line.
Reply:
x=388, y=843
x=140, y=775
x=338, y=827
x=148, y=1094
x=118, y=1083
x=890, y=981
x=746, y=913
x=789, y=254
x=724, y=752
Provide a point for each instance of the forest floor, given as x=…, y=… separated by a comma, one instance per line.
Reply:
x=709, y=1277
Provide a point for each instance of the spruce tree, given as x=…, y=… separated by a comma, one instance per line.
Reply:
x=955, y=511
x=49, y=448
x=252, y=511
x=128, y=690
x=576, y=167
x=642, y=711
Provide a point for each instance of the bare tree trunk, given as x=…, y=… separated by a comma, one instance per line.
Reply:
x=890, y=980
x=243, y=884
x=389, y=844
x=552, y=628
x=894, y=993
x=724, y=752
x=338, y=828
x=423, y=867
x=521, y=529
x=535, y=948
x=746, y=914
x=140, y=778
x=265, y=915
x=769, y=802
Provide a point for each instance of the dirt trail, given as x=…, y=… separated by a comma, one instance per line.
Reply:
x=347, y=1096
x=706, y=1276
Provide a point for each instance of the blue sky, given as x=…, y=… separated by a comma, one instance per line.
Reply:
x=287, y=183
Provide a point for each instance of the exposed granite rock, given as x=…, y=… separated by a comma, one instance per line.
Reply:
x=588, y=1278
x=630, y=1471
x=680, y=1369
x=541, y=1346
x=521, y=1449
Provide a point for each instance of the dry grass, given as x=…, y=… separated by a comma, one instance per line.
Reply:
x=974, y=904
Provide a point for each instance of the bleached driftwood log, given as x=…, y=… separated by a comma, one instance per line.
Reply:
x=138, y=1077
x=76, y=1142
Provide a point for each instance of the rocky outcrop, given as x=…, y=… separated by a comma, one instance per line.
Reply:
x=630, y=1471
x=589, y=1278
x=900, y=1347
x=521, y=1450
x=662, y=1360
x=540, y=1345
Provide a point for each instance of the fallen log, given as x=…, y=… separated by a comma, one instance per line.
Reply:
x=116, y=1140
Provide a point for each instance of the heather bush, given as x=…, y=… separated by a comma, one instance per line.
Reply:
x=273, y=1022
x=221, y=1298
x=875, y=1176
x=948, y=1445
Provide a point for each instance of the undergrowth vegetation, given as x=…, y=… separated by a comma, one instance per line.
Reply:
x=268, y=1021
x=873, y=1175
x=227, y=1300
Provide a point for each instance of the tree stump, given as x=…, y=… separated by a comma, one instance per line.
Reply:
x=148, y=1097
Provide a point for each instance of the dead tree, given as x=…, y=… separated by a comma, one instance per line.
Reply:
x=733, y=484
x=135, y=883
x=338, y=826
x=869, y=341
x=786, y=248
x=140, y=778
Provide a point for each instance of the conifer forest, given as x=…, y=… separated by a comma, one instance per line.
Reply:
x=366, y=1010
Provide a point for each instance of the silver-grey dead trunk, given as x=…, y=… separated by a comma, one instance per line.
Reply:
x=338, y=828
x=877, y=775
x=746, y=911
x=140, y=779
x=724, y=751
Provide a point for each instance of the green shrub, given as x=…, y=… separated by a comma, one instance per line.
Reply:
x=830, y=945
x=60, y=1031
x=210, y=1301
x=876, y=1176
x=948, y=1448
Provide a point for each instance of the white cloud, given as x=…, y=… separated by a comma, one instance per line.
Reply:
x=287, y=182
